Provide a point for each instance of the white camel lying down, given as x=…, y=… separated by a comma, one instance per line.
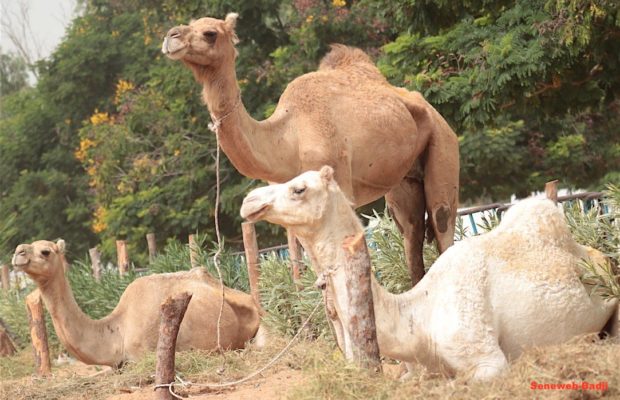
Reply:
x=483, y=301
x=131, y=329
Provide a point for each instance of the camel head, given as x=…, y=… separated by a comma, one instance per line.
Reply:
x=206, y=42
x=40, y=260
x=300, y=202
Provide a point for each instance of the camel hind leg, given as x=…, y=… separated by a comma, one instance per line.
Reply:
x=406, y=205
x=439, y=150
x=441, y=181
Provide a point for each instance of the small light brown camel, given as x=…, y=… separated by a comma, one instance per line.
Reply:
x=485, y=299
x=131, y=329
x=380, y=139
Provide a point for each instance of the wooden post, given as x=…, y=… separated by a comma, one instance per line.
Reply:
x=361, y=323
x=122, y=257
x=172, y=313
x=95, y=261
x=38, y=333
x=294, y=252
x=193, y=252
x=6, y=345
x=6, y=278
x=614, y=325
x=251, y=257
x=551, y=190
x=152, y=244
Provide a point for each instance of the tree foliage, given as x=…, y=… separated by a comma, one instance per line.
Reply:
x=112, y=142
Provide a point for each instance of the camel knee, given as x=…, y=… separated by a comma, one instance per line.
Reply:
x=490, y=367
x=443, y=221
x=408, y=372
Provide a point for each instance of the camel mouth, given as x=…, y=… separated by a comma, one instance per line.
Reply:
x=20, y=266
x=20, y=260
x=173, y=48
x=256, y=215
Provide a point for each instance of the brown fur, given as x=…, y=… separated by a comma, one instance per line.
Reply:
x=131, y=329
x=345, y=115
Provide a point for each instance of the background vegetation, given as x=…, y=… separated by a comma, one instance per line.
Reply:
x=112, y=141
x=288, y=303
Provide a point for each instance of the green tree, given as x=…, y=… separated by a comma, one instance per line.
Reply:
x=13, y=74
x=112, y=141
x=540, y=81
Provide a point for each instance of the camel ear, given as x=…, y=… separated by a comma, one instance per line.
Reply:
x=61, y=246
x=230, y=22
x=327, y=174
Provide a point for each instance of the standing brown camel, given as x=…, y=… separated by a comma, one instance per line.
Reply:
x=380, y=139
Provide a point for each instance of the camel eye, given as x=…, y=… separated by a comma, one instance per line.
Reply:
x=210, y=36
x=298, y=191
x=46, y=252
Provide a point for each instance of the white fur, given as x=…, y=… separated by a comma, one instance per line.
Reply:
x=483, y=301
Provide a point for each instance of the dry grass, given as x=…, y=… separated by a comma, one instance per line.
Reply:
x=326, y=375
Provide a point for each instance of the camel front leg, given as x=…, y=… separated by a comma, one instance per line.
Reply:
x=332, y=316
x=406, y=204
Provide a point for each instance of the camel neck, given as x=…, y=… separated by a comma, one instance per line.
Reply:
x=90, y=341
x=396, y=316
x=257, y=149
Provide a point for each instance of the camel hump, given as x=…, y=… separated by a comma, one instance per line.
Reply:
x=342, y=56
x=346, y=57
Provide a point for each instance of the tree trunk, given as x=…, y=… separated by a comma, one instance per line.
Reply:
x=551, y=190
x=295, y=255
x=614, y=323
x=251, y=257
x=361, y=326
x=122, y=257
x=6, y=345
x=95, y=260
x=6, y=278
x=38, y=333
x=152, y=245
x=193, y=252
x=172, y=313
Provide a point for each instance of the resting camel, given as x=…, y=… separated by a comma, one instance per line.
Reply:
x=484, y=300
x=380, y=139
x=131, y=329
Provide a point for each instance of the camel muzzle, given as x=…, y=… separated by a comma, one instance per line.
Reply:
x=173, y=42
x=255, y=205
x=20, y=259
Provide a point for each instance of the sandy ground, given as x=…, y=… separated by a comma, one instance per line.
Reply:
x=274, y=386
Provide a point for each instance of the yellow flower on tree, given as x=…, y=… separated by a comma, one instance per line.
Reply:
x=99, y=224
x=339, y=3
x=82, y=152
x=122, y=87
x=99, y=118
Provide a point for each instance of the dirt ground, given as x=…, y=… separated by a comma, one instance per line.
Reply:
x=273, y=386
x=314, y=370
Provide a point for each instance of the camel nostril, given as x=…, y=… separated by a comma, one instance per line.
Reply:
x=174, y=33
